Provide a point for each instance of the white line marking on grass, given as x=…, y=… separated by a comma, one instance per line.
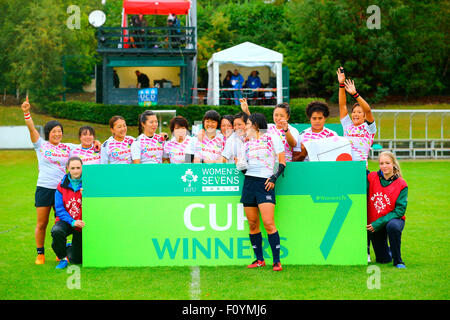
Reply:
x=5, y=231
x=195, y=283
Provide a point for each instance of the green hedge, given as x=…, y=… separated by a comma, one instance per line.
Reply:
x=100, y=113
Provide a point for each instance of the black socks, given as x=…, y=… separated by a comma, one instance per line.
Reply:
x=256, y=241
x=274, y=241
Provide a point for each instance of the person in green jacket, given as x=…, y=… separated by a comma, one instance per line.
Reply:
x=387, y=198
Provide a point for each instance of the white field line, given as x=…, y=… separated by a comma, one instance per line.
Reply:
x=195, y=283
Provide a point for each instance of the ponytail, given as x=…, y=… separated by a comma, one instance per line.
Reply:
x=143, y=118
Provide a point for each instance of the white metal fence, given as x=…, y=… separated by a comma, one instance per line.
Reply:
x=413, y=147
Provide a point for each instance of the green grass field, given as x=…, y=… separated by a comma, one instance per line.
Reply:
x=425, y=250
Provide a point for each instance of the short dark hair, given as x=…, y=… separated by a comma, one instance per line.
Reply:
x=285, y=106
x=114, y=119
x=73, y=159
x=86, y=128
x=180, y=121
x=228, y=117
x=241, y=115
x=317, y=106
x=211, y=115
x=259, y=120
x=143, y=118
x=49, y=127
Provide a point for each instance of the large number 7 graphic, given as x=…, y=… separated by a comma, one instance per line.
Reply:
x=345, y=203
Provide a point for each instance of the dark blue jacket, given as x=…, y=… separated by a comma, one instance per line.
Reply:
x=238, y=81
x=253, y=82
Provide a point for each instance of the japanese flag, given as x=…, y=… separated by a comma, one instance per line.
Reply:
x=329, y=149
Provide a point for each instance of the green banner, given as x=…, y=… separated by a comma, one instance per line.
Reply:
x=190, y=214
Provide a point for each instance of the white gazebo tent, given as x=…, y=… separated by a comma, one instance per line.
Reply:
x=246, y=54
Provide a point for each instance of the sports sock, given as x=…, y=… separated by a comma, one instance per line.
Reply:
x=274, y=241
x=40, y=250
x=256, y=241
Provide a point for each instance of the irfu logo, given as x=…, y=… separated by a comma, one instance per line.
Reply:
x=189, y=177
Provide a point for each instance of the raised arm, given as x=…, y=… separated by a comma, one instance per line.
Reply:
x=342, y=98
x=350, y=87
x=244, y=106
x=34, y=134
x=291, y=140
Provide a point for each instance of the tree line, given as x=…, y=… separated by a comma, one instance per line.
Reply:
x=408, y=55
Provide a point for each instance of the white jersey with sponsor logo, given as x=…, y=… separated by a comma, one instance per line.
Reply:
x=361, y=137
x=148, y=150
x=272, y=129
x=87, y=155
x=176, y=151
x=52, y=162
x=116, y=152
x=261, y=155
x=209, y=150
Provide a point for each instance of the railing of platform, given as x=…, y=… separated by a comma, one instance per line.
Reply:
x=146, y=38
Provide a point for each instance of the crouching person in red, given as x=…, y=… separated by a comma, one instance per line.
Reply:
x=386, y=207
x=68, y=215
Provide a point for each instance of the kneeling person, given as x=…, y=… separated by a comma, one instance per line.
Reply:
x=68, y=215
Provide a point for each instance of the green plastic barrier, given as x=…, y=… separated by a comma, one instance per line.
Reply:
x=190, y=214
x=337, y=127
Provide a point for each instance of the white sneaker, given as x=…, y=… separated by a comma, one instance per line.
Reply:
x=368, y=258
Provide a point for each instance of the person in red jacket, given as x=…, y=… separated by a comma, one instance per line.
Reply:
x=387, y=198
x=68, y=215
